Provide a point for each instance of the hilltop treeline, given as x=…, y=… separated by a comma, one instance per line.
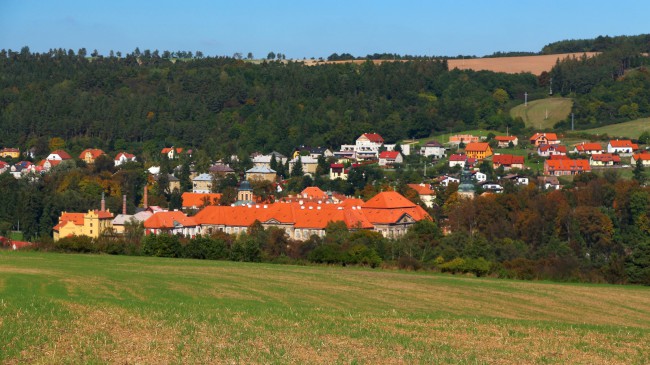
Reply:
x=640, y=43
x=228, y=105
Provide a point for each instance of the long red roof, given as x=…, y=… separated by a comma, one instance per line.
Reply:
x=374, y=137
x=508, y=160
x=161, y=220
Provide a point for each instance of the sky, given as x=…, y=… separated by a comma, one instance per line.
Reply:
x=305, y=29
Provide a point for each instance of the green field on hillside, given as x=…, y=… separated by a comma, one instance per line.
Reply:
x=444, y=138
x=534, y=115
x=631, y=129
x=57, y=308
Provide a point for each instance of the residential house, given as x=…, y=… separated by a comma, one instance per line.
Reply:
x=47, y=165
x=446, y=180
x=175, y=223
x=309, y=164
x=591, y=148
x=463, y=138
x=604, y=159
x=199, y=200
x=644, y=157
x=517, y=179
x=261, y=173
x=549, y=182
x=92, y=224
x=202, y=184
x=478, y=150
x=566, y=167
x=367, y=146
x=172, y=152
x=426, y=194
x=338, y=171
x=59, y=155
x=433, y=149
x=548, y=150
x=390, y=158
x=623, y=147
x=265, y=160
x=544, y=138
x=89, y=155
x=492, y=187
x=221, y=170
x=461, y=160
x=505, y=141
x=121, y=220
x=391, y=214
x=508, y=162
x=124, y=157
x=347, y=152
x=3, y=167
x=10, y=152
x=479, y=176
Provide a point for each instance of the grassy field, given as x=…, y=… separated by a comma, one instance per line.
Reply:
x=444, y=138
x=58, y=308
x=631, y=129
x=534, y=115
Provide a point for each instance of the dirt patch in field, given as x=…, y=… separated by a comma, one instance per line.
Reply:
x=22, y=270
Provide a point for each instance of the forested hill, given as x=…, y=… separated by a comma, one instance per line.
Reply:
x=228, y=105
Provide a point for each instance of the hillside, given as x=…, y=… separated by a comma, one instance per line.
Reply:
x=631, y=129
x=535, y=114
x=98, y=309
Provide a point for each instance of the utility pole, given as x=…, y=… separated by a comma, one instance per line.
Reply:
x=550, y=87
x=425, y=169
x=525, y=99
x=571, y=121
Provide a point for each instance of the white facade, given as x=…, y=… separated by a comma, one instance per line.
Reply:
x=448, y=179
x=122, y=158
x=366, y=148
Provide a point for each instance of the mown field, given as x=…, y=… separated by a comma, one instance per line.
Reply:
x=534, y=115
x=631, y=129
x=58, y=308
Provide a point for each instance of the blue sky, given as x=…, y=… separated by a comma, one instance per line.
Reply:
x=314, y=28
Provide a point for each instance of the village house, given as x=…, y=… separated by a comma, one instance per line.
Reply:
x=588, y=148
x=566, y=167
x=549, y=182
x=338, y=171
x=390, y=158
x=604, y=159
x=548, y=150
x=544, y=138
x=59, y=155
x=172, y=152
x=47, y=165
x=90, y=155
x=644, y=157
x=309, y=164
x=492, y=187
x=508, y=162
x=92, y=224
x=433, y=149
x=479, y=176
x=446, y=180
x=516, y=179
x=10, y=152
x=174, y=223
x=316, y=152
x=426, y=194
x=202, y=184
x=505, y=141
x=463, y=138
x=623, y=147
x=461, y=160
x=261, y=173
x=124, y=157
x=3, y=167
x=346, y=152
x=478, y=150
x=265, y=160
x=221, y=170
x=367, y=146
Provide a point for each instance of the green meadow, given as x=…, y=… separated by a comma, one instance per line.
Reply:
x=535, y=114
x=631, y=129
x=58, y=308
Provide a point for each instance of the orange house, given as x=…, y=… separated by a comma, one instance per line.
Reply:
x=90, y=155
x=478, y=150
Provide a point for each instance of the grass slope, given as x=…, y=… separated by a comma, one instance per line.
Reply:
x=631, y=129
x=58, y=308
x=444, y=137
x=534, y=115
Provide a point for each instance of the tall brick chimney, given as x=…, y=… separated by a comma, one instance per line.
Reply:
x=145, y=203
x=124, y=204
x=103, y=207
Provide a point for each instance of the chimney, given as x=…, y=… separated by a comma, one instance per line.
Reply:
x=103, y=207
x=124, y=204
x=145, y=203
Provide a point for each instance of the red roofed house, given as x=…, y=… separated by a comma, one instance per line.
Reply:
x=588, y=148
x=644, y=157
x=10, y=152
x=47, y=165
x=388, y=158
x=59, y=155
x=461, y=160
x=337, y=171
x=171, y=223
x=171, y=152
x=91, y=224
x=199, y=200
x=123, y=157
x=604, y=159
x=504, y=141
x=367, y=146
x=427, y=195
x=622, y=147
x=566, y=167
x=90, y=155
x=478, y=150
x=392, y=214
x=508, y=162
x=544, y=138
x=548, y=150
x=463, y=138
x=3, y=166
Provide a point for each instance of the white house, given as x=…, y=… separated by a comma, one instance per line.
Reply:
x=367, y=145
x=265, y=160
x=479, y=176
x=622, y=147
x=123, y=157
x=202, y=184
x=388, y=158
x=448, y=179
x=433, y=149
x=58, y=155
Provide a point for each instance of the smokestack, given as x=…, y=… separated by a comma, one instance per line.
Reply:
x=145, y=204
x=124, y=204
x=103, y=208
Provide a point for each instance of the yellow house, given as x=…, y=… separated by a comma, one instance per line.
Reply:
x=90, y=155
x=478, y=150
x=91, y=224
x=10, y=152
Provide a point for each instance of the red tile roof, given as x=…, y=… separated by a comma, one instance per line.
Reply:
x=422, y=189
x=458, y=157
x=558, y=148
x=622, y=143
x=64, y=155
x=508, y=160
x=559, y=157
x=76, y=218
x=606, y=157
x=389, y=200
x=168, y=149
x=126, y=155
x=313, y=192
x=390, y=155
x=549, y=136
x=644, y=156
x=589, y=147
x=161, y=220
x=477, y=146
x=505, y=138
x=93, y=152
x=198, y=199
x=568, y=165
x=374, y=137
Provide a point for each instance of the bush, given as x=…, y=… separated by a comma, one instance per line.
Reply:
x=163, y=245
x=409, y=263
